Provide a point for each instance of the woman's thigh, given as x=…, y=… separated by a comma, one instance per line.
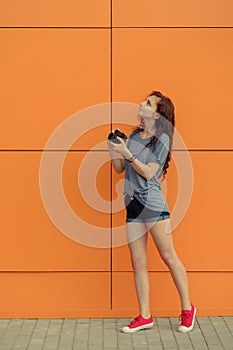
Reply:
x=135, y=230
x=137, y=239
x=161, y=234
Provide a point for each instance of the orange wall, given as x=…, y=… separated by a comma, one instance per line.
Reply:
x=60, y=57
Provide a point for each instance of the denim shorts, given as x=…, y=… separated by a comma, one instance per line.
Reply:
x=137, y=212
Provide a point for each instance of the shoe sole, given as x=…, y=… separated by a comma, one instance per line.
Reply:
x=133, y=330
x=186, y=330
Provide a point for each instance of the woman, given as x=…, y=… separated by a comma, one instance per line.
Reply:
x=144, y=158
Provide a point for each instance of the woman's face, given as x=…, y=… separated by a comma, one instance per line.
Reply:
x=148, y=107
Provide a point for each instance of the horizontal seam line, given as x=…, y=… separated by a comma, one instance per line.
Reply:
x=120, y=27
x=191, y=271
x=108, y=271
x=52, y=271
x=105, y=150
x=176, y=27
x=10, y=27
x=52, y=150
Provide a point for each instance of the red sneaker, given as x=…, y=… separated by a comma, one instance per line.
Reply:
x=137, y=324
x=187, y=318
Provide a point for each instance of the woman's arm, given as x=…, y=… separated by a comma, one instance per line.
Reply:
x=117, y=161
x=145, y=170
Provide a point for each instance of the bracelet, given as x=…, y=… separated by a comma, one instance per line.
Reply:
x=131, y=159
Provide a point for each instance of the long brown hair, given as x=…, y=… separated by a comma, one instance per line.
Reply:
x=164, y=124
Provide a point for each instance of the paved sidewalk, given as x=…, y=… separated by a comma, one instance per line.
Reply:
x=213, y=333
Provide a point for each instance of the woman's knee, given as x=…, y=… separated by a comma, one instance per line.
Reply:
x=169, y=258
x=138, y=262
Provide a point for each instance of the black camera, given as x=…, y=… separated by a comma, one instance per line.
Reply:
x=113, y=136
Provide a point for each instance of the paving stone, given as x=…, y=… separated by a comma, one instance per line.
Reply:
x=81, y=344
x=216, y=347
x=213, y=341
x=21, y=346
x=36, y=342
x=5, y=321
x=35, y=347
x=227, y=342
x=229, y=322
x=158, y=347
x=65, y=347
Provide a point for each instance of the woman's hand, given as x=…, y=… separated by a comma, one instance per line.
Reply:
x=120, y=148
x=117, y=161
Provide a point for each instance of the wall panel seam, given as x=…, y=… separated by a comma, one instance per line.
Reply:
x=111, y=170
x=105, y=150
x=116, y=27
x=107, y=271
x=12, y=27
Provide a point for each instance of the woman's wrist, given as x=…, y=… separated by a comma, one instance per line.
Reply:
x=128, y=155
x=131, y=159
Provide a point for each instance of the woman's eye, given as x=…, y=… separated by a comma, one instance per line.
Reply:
x=148, y=102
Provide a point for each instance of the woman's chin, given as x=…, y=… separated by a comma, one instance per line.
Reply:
x=140, y=113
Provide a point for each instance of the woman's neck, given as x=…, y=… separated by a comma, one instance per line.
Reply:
x=148, y=130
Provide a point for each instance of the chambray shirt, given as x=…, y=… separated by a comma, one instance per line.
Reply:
x=148, y=192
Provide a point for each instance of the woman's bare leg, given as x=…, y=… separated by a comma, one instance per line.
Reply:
x=164, y=243
x=139, y=263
